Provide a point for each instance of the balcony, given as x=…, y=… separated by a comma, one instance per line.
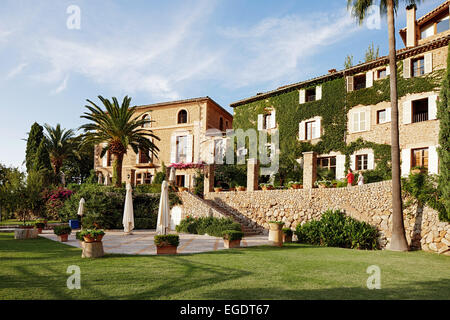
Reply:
x=420, y=117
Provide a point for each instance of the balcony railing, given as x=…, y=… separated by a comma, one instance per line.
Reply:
x=420, y=117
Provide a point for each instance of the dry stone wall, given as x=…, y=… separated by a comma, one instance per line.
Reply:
x=370, y=203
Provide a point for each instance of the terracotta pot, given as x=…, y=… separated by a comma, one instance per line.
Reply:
x=265, y=188
x=63, y=237
x=297, y=186
x=182, y=189
x=322, y=186
x=39, y=230
x=240, y=189
x=231, y=244
x=287, y=238
x=218, y=189
x=166, y=249
x=90, y=239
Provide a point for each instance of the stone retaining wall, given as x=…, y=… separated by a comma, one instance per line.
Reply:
x=195, y=207
x=370, y=203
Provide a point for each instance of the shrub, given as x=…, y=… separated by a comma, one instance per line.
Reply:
x=232, y=235
x=335, y=229
x=39, y=225
x=288, y=232
x=277, y=222
x=168, y=239
x=93, y=233
x=60, y=230
x=208, y=225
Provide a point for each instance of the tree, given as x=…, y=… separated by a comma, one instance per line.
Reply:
x=348, y=61
x=41, y=158
x=372, y=53
x=79, y=163
x=359, y=10
x=443, y=114
x=118, y=128
x=59, y=143
x=35, y=136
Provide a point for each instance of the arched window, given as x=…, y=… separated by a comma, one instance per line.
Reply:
x=148, y=124
x=221, y=124
x=182, y=116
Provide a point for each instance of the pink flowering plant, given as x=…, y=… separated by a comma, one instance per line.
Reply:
x=54, y=200
x=179, y=166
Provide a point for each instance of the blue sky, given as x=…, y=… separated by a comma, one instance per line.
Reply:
x=158, y=51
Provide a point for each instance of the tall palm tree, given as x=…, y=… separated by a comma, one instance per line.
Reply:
x=118, y=128
x=359, y=9
x=59, y=143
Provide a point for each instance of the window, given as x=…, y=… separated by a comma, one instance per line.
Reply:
x=310, y=130
x=221, y=124
x=182, y=116
x=360, y=82
x=443, y=25
x=362, y=162
x=419, y=158
x=327, y=163
x=427, y=32
x=381, y=74
x=418, y=66
x=180, y=180
x=181, y=149
x=144, y=156
x=420, y=110
x=359, y=121
x=311, y=95
x=267, y=120
x=108, y=159
x=226, y=124
x=148, y=124
x=143, y=178
x=382, y=116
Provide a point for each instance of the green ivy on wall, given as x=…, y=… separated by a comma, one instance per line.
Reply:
x=333, y=109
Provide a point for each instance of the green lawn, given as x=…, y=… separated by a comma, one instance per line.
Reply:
x=11, y=222
x=36, y=269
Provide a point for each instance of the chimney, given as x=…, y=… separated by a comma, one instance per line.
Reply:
x=411, y=26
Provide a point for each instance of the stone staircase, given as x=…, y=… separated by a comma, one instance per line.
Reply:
x=249, y=227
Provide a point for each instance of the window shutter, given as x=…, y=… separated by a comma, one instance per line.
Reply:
x=273, y=119
x=432, y=107
x=407, y=68
x=352, y=162
x=340, y=167
x=428, y=59
x=407, y=112
x=189, y=148
x=388, y=114
x=369, y=79
x=302, y=96
x=137, y=157
x=318, y=92
x=355, y=122
x=388, y=70
x=367, y=117
x=406, y=162
x=370, y=161
x=173, y=148
x=260, y=122
x=186, y=180
x=318, y=132
x=350, y=87
x=105, y=159
x=301, y=131
x=433, y=160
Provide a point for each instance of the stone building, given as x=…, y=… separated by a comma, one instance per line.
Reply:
x=345, y=115
x=190, y=131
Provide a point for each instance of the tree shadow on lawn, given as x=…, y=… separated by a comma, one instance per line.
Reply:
x=204, y=274
x=430, y=290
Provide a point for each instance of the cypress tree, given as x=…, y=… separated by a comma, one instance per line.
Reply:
x=42, y=158
x=443, y=114
x=35, y=137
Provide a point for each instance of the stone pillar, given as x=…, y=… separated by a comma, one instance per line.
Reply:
x=309, y=169
x=208, y=184
x=252, y=175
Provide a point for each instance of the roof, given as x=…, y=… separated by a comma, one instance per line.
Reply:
x=401, y=54
x=176, y=102
x=427, y=17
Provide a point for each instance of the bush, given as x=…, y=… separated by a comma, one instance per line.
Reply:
x=232, y=235
x=60, y=230
x=288, y=232
x=168, y=239
x=210, y=225
x=335, y=229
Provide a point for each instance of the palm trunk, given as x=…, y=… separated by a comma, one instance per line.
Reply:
x=398, y=238
x=117, y=170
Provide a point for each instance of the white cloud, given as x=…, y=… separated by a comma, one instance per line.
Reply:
x=16, y=70
x=61, y=87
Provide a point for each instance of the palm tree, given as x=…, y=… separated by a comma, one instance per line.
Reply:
x=359, y=10
x=118, y=128
x=59, y=143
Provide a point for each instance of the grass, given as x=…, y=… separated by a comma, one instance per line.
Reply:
x=36, y=269
x=11, y=222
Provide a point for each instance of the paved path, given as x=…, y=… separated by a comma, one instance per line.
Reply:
x=141, y=242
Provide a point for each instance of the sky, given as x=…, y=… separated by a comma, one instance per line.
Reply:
x=155, y=51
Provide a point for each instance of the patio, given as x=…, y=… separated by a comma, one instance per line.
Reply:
x=141, y=242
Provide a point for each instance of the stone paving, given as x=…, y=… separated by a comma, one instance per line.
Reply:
x=141, y=242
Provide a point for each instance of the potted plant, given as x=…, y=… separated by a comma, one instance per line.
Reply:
x=92, y=235
x=323, y=184
x=62, y=232
x=295, y=185
x=167, y=244
x=287, y=235
x=232, y=239
x=275, y=233
x=39, y=226
x=182, y=189
x=26, y=226
x=240, y=188
x=218, y=189
x=266, y=186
